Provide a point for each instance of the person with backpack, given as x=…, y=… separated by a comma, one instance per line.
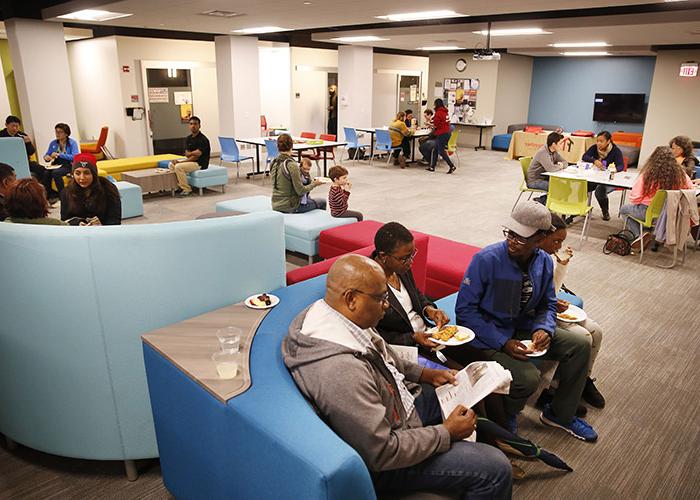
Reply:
x=287, y=185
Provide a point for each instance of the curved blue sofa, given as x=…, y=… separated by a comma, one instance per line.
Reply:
x=75, y=301
x=265, y=443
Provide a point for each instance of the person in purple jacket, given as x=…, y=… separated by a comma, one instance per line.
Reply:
x=601, y=154
x=507, y=297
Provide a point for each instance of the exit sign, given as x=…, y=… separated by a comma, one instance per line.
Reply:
x=689, y=69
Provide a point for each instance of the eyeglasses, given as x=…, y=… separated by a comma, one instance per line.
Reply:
x=511, y=236
x=408, y=258
x=381, y=298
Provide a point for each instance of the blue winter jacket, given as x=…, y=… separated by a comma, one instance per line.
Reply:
x=489, y=297
x=72, y=149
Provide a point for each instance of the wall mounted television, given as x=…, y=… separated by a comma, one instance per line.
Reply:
x=622, y=108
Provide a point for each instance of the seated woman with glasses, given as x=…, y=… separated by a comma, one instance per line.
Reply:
x=409, y=312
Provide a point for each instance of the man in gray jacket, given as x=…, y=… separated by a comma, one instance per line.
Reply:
x=385, y=408
x=546, y=159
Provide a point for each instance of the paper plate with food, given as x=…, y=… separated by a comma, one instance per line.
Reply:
x=324, y=180
x=535, y=354
x=572, y=314
x=451, y=335
x=262, y=301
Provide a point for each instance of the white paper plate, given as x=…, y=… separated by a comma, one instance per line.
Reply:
x=453, y=341
x=325, y=180
x=536, y=354
x=579, y=313
x=274, y=300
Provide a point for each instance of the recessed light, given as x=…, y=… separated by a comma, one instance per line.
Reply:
x=584, y=53
x=93, y=15
x=220, y=13
x=419, y=16
x=514, y=32
x=350, y=39
x=574, y=45
x=441, y=47
x=307, y=3
x=260, y=29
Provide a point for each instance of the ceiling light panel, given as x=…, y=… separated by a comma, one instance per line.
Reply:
x=441, y=47
x=514, y=32
x=585, y=53
x=93, y=15
x=575, y=45
x=351, y=39
x=420, y=16
x=260, y=29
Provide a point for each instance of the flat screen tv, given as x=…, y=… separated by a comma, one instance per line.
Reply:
x=622, y=108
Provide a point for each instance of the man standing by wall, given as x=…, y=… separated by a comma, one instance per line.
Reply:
x=333, y=110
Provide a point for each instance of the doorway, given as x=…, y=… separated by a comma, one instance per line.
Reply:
x=169, y=94
x=332, y=115
x=409, y=95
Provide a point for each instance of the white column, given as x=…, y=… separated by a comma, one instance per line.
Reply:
x=43, y=78
x=355, y=67
x=238, y=82
x=4, y=99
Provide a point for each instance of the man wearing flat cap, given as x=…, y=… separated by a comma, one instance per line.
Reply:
x=507, y=298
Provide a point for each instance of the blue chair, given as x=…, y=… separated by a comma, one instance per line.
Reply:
x=230, y=153
x=352, y=142
x=272, y=152
x=697, y=172
x=13, y=152
x=383, y=144
x=501, y=142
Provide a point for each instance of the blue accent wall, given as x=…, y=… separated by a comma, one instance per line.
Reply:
x=563, y=89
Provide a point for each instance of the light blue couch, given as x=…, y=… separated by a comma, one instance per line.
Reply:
x=75, y=301
x=265, y=443
x=13, y=152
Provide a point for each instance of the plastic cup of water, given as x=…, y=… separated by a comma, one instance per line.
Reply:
x=230, y=338
x=226, y=364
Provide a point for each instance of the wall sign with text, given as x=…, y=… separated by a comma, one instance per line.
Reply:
x=689, y=69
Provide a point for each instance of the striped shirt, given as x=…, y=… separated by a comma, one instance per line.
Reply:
x=370, y=339
x=338, y=200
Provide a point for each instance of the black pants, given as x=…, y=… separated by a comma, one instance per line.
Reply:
x=333, y=125
x=57, y=174
x=405, y=148
x=442, y=141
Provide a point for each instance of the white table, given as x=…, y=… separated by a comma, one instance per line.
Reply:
x=421, y=132
x=623, y=180
x=300, y=144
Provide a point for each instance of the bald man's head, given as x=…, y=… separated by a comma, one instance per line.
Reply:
x=356, y=287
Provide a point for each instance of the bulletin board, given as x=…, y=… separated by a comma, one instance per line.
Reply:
x=460, y=96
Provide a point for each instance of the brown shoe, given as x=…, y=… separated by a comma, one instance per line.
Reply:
x=402, y=162
x=396, y=161
x=637, y=244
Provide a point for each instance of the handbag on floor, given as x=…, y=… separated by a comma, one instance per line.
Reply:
x=619, y=243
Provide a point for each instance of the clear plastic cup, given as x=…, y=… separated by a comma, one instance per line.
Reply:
x=226, y=364
x=230, y=338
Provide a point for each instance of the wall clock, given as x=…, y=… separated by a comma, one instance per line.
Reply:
x=460, y=65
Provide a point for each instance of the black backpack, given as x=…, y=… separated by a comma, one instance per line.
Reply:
x=619, y=243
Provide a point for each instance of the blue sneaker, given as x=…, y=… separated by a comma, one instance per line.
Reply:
x=578, y=427
x=512, y=423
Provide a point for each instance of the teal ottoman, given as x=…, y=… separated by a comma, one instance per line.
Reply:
x=301, y=231
x=246, y=205
x=214, y=175
x=131, y=198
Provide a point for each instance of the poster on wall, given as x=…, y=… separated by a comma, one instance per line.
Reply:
x=158, y=94
x=185, y=112
x=460, y=95
x=182, y=98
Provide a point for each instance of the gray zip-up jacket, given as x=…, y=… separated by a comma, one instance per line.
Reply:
x=357, y=397
x=544, y=161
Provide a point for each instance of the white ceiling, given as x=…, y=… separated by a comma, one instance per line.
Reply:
x=630, y=34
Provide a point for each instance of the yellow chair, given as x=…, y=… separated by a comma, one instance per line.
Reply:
x=524, y=165
x=568, y=196
x=653, y=213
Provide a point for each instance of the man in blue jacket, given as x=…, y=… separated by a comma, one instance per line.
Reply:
x=507, y=296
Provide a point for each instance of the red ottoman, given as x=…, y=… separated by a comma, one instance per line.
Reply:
x=447, y=262
x=344, y=239
x=419, y=266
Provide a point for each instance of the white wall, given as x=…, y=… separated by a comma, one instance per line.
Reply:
x=512, y=91
x=98, y=91
x=4, y=99
x=673, y=102
x=310, y=68
x=276, y=83
x=384, y=98
x=43, y=78
x=132, y=50
x=355, y=75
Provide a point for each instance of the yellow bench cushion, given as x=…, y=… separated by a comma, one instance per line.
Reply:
x=116, y=167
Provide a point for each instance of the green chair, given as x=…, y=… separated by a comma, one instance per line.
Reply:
x=653, y=213
x=569, y=196
x=524, y=165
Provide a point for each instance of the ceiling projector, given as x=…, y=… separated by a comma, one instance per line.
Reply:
x=486, y=55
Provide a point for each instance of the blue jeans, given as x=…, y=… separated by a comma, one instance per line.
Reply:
x=312, y=204
x=542, y=184
x=476, y=470
x=636, y=211
x=442, y=141
x=427, y=149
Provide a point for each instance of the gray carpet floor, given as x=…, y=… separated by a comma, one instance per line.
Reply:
x=647, y=369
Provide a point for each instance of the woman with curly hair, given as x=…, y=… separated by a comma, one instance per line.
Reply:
x=661, y=171
x=682, y=148
x=26, y=203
